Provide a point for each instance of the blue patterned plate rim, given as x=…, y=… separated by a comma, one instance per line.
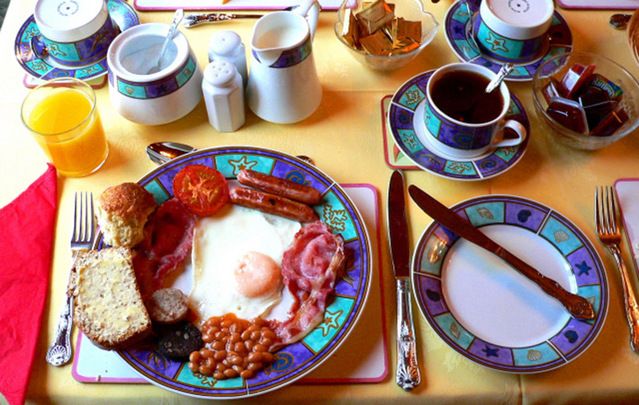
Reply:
x=351, y=291
x=405, y=108
x=124, y=16
x=586, y=269
x=559, y=33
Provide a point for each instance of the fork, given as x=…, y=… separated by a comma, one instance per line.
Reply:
x=608, y=230
x=60, y=351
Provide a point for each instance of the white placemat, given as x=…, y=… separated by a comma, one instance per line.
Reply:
x=628, y=196
x=363, y=358
x=157, y=5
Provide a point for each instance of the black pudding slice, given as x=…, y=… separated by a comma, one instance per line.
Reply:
x=178, y=343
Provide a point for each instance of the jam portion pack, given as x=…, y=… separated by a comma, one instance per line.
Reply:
x=586, y=102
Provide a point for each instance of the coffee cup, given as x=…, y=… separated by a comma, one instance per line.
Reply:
x=73, y=32
x=513, y=30
x=461, y=119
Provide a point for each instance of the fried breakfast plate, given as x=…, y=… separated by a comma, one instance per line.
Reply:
x=490, y=313
x=342, y=312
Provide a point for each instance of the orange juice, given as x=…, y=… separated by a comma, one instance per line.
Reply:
x=67, y=126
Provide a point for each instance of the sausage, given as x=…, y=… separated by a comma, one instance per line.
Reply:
x=272, y=204
x=282, y=187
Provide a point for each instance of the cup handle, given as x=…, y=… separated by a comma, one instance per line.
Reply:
x=309, y=9
x=518, y=128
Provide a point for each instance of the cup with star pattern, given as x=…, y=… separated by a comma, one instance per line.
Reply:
x=513, y=30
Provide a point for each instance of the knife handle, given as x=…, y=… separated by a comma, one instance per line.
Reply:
x=407, y=376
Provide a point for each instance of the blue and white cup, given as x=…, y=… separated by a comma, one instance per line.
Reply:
x=513, y=30
x=74, y=32
x=465, y=140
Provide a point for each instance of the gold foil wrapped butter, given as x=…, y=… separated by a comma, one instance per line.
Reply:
x=374, y=29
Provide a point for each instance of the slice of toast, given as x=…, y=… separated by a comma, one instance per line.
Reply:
x=108, y=306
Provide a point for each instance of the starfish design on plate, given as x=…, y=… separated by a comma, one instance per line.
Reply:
x=330, y=321
x=496, y=44
x=336, y=219
x=242, y=163
x=583, y=268
x=490, y=351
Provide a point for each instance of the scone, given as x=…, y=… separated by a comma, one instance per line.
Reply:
x=107, y=304
x=122, y=212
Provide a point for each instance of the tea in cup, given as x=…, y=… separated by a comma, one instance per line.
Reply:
x=74, y=33
x=513, y=30
x=463, y=120
x=61, y=115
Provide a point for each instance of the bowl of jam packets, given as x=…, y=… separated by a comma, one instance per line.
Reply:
x=587, y=101
x=385, y=35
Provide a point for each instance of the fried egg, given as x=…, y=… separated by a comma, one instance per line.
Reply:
x=236, y=260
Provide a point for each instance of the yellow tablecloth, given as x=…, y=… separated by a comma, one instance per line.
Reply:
x=344, y=138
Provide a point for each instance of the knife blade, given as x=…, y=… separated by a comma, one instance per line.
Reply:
x=578, y=306
x=408, y=375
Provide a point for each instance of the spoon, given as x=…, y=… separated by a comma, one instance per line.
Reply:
x=162, y=152
x=501, y=75
x=179, y=14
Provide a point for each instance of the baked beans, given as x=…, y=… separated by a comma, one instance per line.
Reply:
x=233, y=347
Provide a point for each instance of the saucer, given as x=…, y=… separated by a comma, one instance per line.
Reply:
x=43, y=67
x=491, y=314
x=456, y=29
x=407, y=109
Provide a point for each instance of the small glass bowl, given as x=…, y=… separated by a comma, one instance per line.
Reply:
x=412, y=10
x=556, y=67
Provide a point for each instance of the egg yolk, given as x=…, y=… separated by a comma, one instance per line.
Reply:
x=257, y=275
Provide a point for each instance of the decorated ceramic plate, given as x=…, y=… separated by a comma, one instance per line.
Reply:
x=31, y=57
x=490, y=313
x=458, y=34
x=405, y=123
x=298, y=359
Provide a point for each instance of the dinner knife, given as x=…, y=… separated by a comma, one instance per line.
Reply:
x=578, y=306
x=407, y=376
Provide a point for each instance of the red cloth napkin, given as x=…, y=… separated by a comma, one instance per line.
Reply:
x=26, y=243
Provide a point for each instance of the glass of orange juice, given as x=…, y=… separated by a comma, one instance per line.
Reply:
x=62, y=117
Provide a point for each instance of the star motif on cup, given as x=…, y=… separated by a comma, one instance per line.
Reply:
x=330, y=321
x=242, y=163
x=496, y=44
x=490, y=351
x=583, y=268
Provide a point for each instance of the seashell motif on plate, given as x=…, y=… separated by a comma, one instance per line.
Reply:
x=454, y=330
x=561, y=236
x=485, y=213
x=534, y=355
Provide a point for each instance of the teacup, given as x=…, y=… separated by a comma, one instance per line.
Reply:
x=483, y=114
x=74, y=33
x=153, y=98
x=513, y=30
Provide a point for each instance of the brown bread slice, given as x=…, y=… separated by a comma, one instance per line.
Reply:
x=108, y=306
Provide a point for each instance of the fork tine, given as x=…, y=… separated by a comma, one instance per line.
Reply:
x=91, y=218
x=615, y=208
x=610, y=210
x=598, y=222
x=76, y=217
x=85, y=218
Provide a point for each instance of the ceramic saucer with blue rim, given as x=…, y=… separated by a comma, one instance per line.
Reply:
x=457, y=24
x=492, y=314
x=42, y=67
x=405, y=124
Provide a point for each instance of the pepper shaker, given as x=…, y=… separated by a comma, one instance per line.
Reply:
x=224, y=96
x=228, y=46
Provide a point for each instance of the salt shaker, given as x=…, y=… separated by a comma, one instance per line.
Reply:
x=228, y=46
x=224, y=96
